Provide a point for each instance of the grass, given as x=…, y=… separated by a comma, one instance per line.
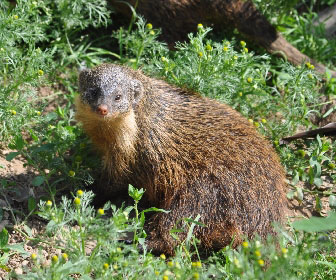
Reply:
x=42, y=43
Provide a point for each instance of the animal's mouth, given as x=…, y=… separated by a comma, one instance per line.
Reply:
x=108, y=116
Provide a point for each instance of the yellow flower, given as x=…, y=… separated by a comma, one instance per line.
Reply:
x=301, y=153
x=257, y=253
x=13, y=112
x=256, y=124
x=240, y=94
x=152, y=32
x=49, y=203
x=33, y=256
x=119, y=250
x=236, y=262
x=71, y=173
x=65, y=256
x=208, y=48
x=200, y=54
x=225, y=49
x=199, y=26
x=284, y=250
x=156, y=272
x=54, y=259
x=77, y=201
x=243, y=43
x=162, y=256
x=263, y=120
x=195, y=275
x=331, y=165
x=40, y=72
x=115, y=267
x=105, y=266
x=245, y=243
x=235, y=57
x=261, y=262
x=100, y=212
x=165, y=277
x=170, y=264
x=310, y=76
x=79, y=193
x=163, y=59
x=246, y=50
x=250, y=121
x=16, y=17
x=38, y=113
x=249, y=80
x=149, y=26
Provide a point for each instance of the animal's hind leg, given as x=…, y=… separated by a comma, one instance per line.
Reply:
x=218, y=231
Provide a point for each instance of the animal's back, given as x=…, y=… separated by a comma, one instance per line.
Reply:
x=211, y=158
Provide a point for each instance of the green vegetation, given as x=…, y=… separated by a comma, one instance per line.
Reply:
x=42, y=44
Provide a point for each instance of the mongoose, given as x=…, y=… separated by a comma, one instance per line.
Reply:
x=182, y=16
x=192, y=155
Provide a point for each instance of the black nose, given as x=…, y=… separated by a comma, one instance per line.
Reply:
x=102, y=109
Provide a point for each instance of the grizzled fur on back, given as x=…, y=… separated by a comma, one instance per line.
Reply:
x=193, y=155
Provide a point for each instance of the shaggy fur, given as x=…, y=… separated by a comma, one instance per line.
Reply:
x=193, y=155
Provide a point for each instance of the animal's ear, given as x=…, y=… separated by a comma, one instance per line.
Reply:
x=138, y=91
x=83, y=77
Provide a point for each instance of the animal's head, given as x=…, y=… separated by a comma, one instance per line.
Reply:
x=110, y=90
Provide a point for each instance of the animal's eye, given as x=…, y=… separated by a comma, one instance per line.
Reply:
x=117, y=98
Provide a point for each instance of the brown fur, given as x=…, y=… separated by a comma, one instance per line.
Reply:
x=193, y=155
x=177, y=18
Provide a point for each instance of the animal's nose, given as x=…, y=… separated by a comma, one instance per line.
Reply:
x=102, y=109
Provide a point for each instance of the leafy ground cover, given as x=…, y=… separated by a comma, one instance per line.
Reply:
x=49, y=227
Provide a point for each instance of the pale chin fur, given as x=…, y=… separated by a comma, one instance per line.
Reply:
x=115, y=137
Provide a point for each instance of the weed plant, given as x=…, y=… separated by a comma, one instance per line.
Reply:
x=41, y=43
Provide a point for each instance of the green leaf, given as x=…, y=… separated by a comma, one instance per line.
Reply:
x=28, y=230
x=154, y=209
x=135, y=193
x=318, y=204
x=318, y=138
x=44, y=148
x=11, y=155
x=4, y=236
x=332, y=202
x=317, y=224
x=299, y=194
x=32, y=204
x=19, y=142
x=51, y=116
x=38, y=181
x=18, y=248
x=4, y=267
x=328, y=112
x=318, y=182
x=290, y=194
